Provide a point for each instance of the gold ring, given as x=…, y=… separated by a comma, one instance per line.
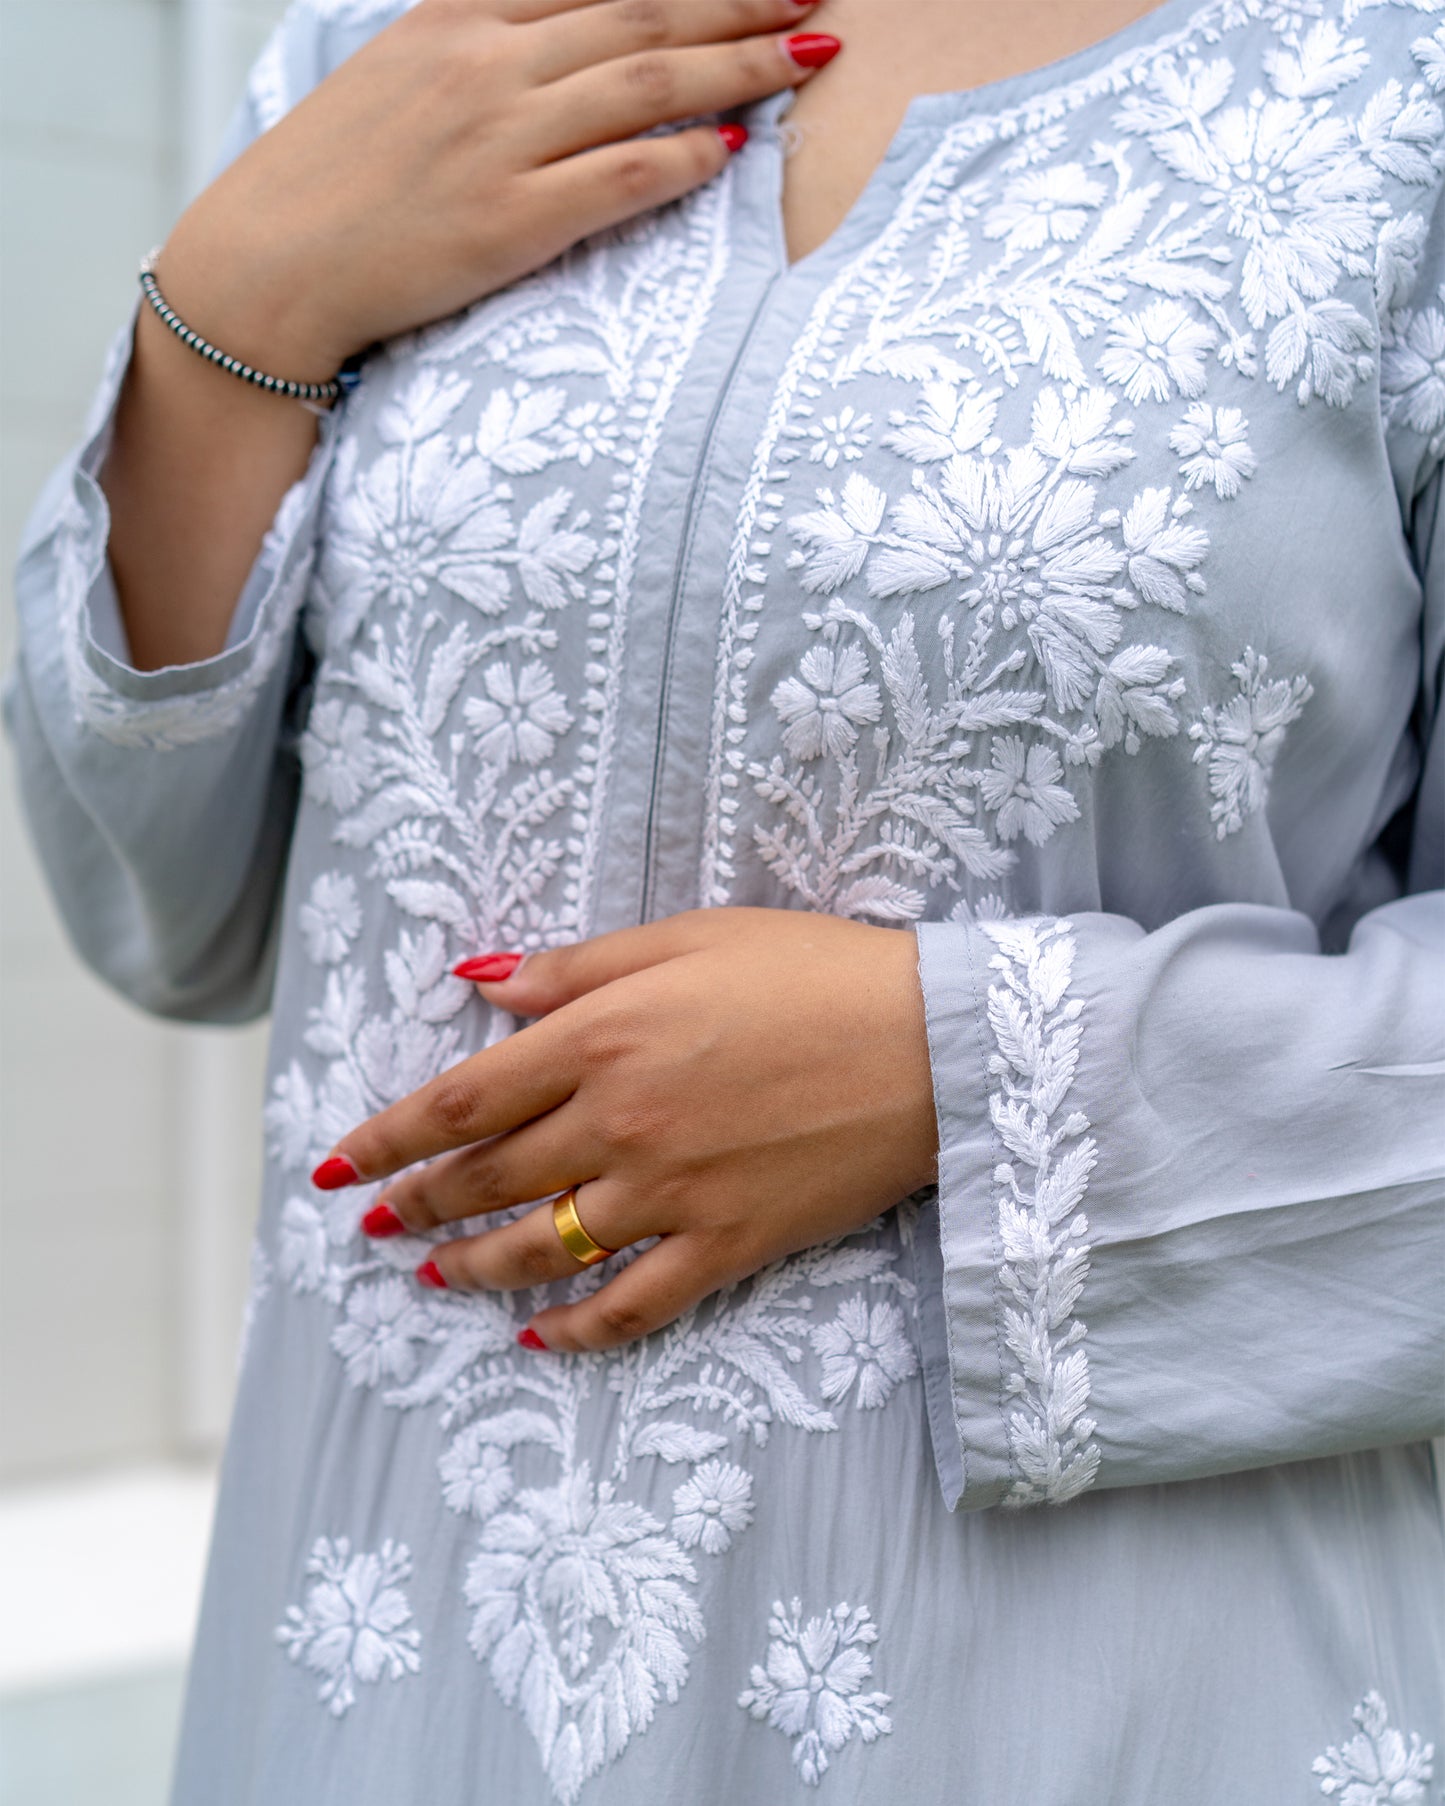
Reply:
x=575, y=1238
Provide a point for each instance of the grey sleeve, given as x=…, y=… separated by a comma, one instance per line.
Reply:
x=161, y=802
x=1191, y=1182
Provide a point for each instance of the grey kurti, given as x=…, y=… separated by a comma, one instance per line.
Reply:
x=1050, y=564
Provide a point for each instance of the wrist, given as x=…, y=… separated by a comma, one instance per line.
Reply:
x=250, y=307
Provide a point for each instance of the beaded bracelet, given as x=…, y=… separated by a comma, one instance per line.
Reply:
x=341, y=384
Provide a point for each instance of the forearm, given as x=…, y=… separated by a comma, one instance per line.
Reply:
x=195, y=473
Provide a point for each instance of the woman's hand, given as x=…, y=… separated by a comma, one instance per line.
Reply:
x=742, y=1083
x=464, y=146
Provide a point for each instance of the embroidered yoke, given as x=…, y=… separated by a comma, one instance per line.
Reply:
x=1051, y=564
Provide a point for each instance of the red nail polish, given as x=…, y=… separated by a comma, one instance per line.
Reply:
x=430, y=1274
x=811, y=49
x=335, y=1173
x=736, y=136
x=488, y=968
x=530, y=1339
x=381, y=1221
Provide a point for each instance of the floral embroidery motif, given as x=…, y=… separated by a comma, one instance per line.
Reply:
x=810, y=1685
x=1040, y=568
x=713, y=1506
x=429, y=744
x=920, y=745
x=1212, y=446
x=355, y=1625
x=1039, y=1191
x=866, y=1349
x=1376, y=1767
x=453, y=556
x=1241, y=739
x=330, y=918
x=982, y=617
x=1412, y=376
x=582, y=1599
x=184, y=718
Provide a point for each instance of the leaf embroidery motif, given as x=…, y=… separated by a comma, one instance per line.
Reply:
x=1038, y=1193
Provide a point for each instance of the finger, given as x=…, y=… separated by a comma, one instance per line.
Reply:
x=545, y=981
x=566, y=201
x=650, y=1293
x=530, y=1252
x=527, y=12
x=561, y=45
x=532, y=1162
x=498, y=1089
x=613, y=101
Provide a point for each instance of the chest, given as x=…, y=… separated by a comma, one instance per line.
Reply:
x=1040, y=520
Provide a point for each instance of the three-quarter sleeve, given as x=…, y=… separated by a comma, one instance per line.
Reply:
x=161, y=802
x=1192, y=1181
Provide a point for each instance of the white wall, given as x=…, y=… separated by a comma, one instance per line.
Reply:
x=103, y=1236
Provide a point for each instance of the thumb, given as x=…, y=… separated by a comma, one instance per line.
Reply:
x=540, y=982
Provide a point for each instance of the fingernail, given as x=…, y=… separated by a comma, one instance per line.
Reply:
x=530, y=1339
x=380, y=1221
x=811, y=49
x=734, y=136
x=334, y=1173
x=430, y=1274
x=488, y=968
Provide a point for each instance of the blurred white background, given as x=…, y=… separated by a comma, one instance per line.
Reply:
x=129, y=1150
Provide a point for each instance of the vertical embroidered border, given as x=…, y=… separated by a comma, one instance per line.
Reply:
x=1038, y=1196
x=707, y=253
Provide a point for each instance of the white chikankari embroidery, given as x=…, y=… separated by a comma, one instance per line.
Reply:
x=1213, y=449
x=330, y=918
x=866, y=1349
x=999, y=570
x=453, y=559
x=1376, y=1767
x=355, y=1625
x=1039, y=1190
x=186, y=717
x=809, y=1686
x=920, y=745
x=712, y=1506
x=1412, y=377
x=1241, y=739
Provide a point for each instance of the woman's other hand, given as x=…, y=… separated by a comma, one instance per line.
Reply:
x=466, y=145
x=743, y=1083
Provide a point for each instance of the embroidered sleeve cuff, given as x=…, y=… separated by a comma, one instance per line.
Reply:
x=1006, y=1371
x=83, y=641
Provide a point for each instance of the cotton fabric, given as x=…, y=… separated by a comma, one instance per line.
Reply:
x=1050, y=565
